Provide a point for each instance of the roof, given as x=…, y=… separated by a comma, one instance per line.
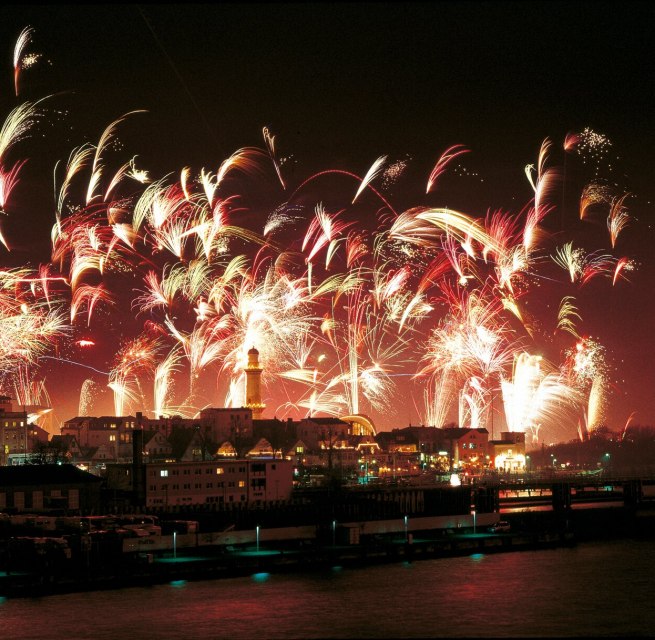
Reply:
x=455, y=433
x=326, y=421
x=45, y=474
x=66, y=439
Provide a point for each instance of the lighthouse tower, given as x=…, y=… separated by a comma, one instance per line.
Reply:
x=254, y=384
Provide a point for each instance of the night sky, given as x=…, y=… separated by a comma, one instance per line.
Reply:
x=342, y=84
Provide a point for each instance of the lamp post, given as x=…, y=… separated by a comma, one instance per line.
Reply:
x=334, y=533
x=174, y=544
x=257, y=536
x=473, y=514
x=406, y=520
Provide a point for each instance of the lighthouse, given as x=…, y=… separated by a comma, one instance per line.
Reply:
x=254, y=384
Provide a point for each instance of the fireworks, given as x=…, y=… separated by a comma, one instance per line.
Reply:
x=371, y=174
x=393, y=172
x=594, y=148
x=442, y=163
x=593, y=194
x=23, y=40
x=342, y=303
x=617, y=219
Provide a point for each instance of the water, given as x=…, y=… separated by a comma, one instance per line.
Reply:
x=594, y=589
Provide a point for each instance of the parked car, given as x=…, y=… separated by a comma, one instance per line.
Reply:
x=502, y=526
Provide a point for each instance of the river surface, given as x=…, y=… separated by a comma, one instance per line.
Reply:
x=595, y=589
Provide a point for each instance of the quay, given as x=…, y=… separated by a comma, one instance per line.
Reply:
x=199, y=562
x=347, y=528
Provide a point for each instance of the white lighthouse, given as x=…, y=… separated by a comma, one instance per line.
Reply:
x=254, y=384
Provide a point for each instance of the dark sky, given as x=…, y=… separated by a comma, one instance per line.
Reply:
x=344, y=83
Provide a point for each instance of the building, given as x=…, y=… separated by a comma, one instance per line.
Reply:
x=414, y=450
x=313, y=431
x=112, y=435
x=234, y=424
x=51, y=487
x=220, y=482
x=467, y=448
x=508, y=453
x=18, y=437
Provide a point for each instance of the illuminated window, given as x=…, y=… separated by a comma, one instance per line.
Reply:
x=220, y=470
x=112, y=437
x=242, y=483
x=164, y=473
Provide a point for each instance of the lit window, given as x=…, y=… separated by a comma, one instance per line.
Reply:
x=164, y=473
x=220, y=470
x=242, y=483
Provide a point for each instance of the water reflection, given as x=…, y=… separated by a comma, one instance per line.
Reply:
x=593, y=589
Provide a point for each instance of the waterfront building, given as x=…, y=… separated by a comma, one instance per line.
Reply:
x=219, y=482
x=508, y=453
x=467, y=449
x=49, y=487
x=414, y=450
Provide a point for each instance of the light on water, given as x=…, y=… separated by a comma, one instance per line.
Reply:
x=178, y=583
x=261, y=577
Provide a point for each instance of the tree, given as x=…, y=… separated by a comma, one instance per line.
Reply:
x=52, y=452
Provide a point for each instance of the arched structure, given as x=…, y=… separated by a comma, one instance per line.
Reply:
x=361, y=425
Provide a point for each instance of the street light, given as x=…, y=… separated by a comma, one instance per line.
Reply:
x=473, y=514
x=406, y=524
